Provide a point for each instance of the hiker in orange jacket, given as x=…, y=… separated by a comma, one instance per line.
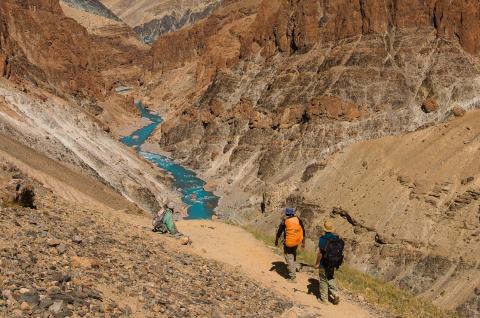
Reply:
x=293, y=235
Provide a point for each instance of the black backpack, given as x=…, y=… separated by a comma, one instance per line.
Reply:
x=333, y=252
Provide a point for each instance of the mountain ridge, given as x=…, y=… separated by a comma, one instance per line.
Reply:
x=92, y=6
x=272, y=90
x=151, y=19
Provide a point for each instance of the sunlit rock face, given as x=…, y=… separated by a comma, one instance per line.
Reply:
x=151, y=19
x=262, y=97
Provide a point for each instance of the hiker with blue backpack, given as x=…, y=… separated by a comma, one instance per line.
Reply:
x=329, y=258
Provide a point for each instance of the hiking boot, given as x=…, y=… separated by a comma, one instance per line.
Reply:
x=292, y=280
x=336, y=300
x=323, y=302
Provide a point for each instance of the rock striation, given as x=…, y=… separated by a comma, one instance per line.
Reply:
x=151, y=19
x=92, y=6
x=270, y=90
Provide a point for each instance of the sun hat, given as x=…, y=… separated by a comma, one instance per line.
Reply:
x=328, y=226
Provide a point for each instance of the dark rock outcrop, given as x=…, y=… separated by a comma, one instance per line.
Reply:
x=92, y=6
x=155, y=28
x=19, y=192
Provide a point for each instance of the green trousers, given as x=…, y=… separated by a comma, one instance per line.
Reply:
x=327, y=283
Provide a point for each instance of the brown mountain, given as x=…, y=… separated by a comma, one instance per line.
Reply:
x=150, y=19
x=342, y=109
x=261, y=94
x=57, y=98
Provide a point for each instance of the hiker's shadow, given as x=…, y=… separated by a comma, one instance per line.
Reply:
x=313, y=287
x=280, y=268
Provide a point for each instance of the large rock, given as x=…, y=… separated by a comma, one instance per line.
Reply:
x=458, y=111
x=18, y=192
x=430, y=105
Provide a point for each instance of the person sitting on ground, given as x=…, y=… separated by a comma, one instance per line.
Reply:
x=293, y=235
x=163, y=222
x=329, y=258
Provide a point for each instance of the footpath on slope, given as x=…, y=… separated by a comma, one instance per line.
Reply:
x=236, y=247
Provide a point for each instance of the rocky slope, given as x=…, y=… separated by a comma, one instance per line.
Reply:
x=410, y=212
x=150, y=19
x=65, y=260
x=92, y=6
x=57, y=97
x=260, y=94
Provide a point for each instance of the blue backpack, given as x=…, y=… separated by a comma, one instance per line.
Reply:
x=333, y=252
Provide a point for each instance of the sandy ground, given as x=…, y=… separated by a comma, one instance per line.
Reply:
x=236, y=247
x=239, y=249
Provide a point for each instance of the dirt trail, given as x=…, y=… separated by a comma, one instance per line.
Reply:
x=235, y=246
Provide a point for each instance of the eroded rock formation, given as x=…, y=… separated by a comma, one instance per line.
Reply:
x=39, y=44
x=151, y=19
x=271, y=89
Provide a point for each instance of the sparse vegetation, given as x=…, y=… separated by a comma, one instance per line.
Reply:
x=383, y=295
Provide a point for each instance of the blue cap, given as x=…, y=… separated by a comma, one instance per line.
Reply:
x=289, y=211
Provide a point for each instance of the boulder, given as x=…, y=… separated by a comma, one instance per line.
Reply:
x=84, y=262
x=19, y=192
x=458, y=111
x=430, y=105
x=57, y=307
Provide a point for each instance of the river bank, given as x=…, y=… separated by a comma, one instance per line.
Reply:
x=200, y=203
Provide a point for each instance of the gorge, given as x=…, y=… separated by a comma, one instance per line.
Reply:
x=200, y=203
x=364, y=113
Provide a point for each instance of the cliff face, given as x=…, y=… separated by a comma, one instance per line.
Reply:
x=271, y=90
x=92, y=6
x=41, y=45
x=56, y=96
x=151, y=19
x=298, y=26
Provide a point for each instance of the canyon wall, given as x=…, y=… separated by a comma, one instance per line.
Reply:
x=37, y=42
x=151, y=19
x=260, y=95
x=57, y=97
x=92, y=6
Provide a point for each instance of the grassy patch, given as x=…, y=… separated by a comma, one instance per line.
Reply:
x=384, y=296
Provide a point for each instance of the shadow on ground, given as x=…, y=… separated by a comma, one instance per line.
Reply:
x=280, y=268
x=313, y=287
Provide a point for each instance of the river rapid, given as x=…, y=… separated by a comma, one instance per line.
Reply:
x=201, y=203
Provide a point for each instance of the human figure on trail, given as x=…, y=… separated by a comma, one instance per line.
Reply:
x=163, y=222
x=293, y=235
x=329, y=258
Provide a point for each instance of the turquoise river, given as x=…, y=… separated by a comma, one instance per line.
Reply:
x=200, y=202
